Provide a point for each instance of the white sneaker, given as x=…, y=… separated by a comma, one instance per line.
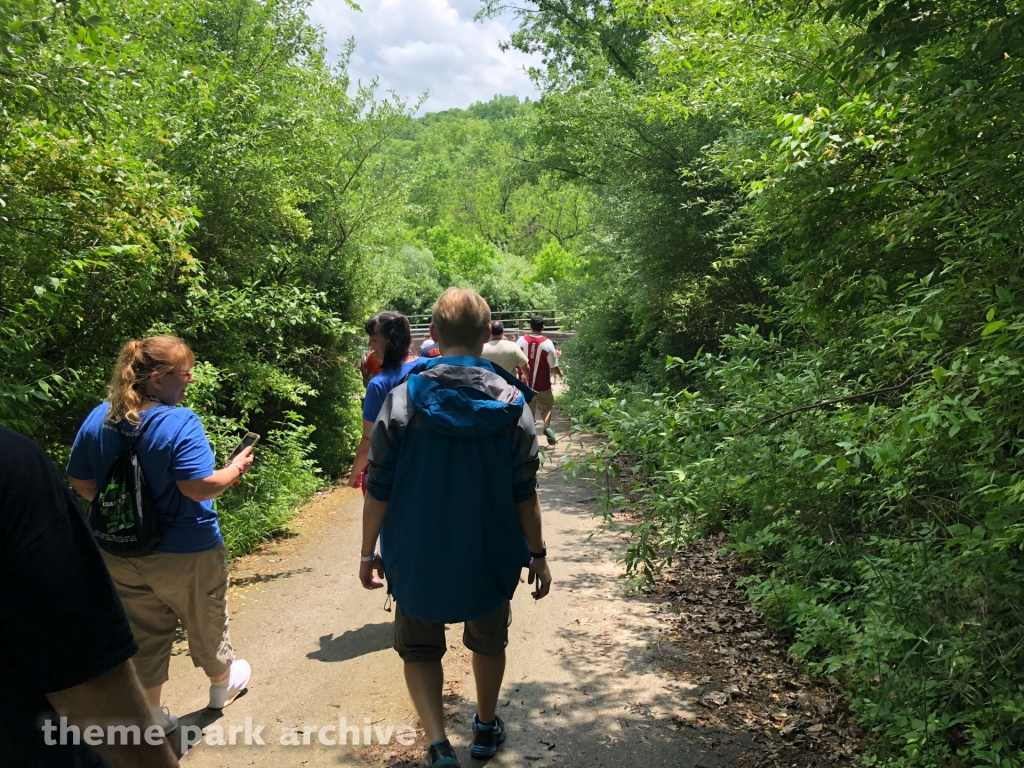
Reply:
x=238, y=678
x=163, y=717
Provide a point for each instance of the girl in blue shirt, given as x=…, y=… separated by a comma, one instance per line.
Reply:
x=391, y=342
x=189, y=566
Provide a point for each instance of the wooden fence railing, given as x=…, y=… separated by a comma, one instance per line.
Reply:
x=556, y=323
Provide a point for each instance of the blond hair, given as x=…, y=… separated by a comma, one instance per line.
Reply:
x=460, y=316
x=135, y=363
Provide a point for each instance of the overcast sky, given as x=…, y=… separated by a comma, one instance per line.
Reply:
x=426, y=45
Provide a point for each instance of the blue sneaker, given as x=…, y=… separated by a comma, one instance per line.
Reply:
x=486, y=738
x=441, y=755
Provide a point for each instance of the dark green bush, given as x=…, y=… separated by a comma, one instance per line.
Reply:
x=876, y=481
x=198, y=169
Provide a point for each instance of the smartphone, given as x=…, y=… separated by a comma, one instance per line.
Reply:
x=250, y=439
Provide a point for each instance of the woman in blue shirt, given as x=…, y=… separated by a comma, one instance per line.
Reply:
x=391, y=342
x=186, y=577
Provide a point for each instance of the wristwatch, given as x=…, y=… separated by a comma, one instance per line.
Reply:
x=543, y=550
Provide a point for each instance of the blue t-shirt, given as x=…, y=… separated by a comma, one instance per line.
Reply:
x=173, y=447
x=379, y=386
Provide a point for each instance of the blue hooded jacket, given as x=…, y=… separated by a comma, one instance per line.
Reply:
x=453, y=452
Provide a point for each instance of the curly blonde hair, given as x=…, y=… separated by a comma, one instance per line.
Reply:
x=136, y=362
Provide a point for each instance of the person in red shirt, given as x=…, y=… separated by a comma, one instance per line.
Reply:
x=543, y=361
x=371, y=366
x=391, y=342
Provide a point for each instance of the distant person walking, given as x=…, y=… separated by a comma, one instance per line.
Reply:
x=186, y=578
x=452, y=494
x=543, y=361
x=369, y=368
x=391, y=342
x=505, y=353
x=66, y=643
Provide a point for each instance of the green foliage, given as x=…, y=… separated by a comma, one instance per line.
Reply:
x=508, y=286
x=662, y=211
x=825, y=198
x=417, y=282
x=483, y=211
x=284, y=477
x=875, y=482
x=554, y=264
x=459, y=257
x=196, y=169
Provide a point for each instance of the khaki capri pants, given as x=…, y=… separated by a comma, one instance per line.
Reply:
x=162, y=588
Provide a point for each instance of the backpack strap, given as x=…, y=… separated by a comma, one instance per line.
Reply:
x=142, y=426
x=142, y=431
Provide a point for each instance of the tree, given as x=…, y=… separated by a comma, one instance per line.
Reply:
x=822, y=233
x=202, y=170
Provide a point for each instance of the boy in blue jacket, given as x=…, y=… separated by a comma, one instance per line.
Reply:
x=452, y=495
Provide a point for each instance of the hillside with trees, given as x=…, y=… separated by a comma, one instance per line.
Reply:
x=481, y=212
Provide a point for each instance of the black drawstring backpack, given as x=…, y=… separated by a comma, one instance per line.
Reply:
x=123, y=516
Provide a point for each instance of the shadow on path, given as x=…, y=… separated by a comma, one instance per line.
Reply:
x=186, y=738
x=369, y=638
x=259, y=578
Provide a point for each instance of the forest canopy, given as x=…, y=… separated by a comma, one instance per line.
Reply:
x=482, y=213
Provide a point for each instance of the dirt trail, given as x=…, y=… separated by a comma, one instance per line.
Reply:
x=589, y=679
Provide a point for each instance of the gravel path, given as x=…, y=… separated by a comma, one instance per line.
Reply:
x=587, y=681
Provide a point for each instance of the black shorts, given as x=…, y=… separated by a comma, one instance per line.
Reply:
x=417, y=640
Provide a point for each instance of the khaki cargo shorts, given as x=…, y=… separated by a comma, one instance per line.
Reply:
x=417, y=640
x=543, y=402
x=163, y=588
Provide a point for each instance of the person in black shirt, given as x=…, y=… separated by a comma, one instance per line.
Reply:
x=65, y=644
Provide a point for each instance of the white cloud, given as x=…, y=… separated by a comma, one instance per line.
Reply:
x=413, y=46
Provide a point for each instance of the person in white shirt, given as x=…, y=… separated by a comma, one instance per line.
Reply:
x=503, y=352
